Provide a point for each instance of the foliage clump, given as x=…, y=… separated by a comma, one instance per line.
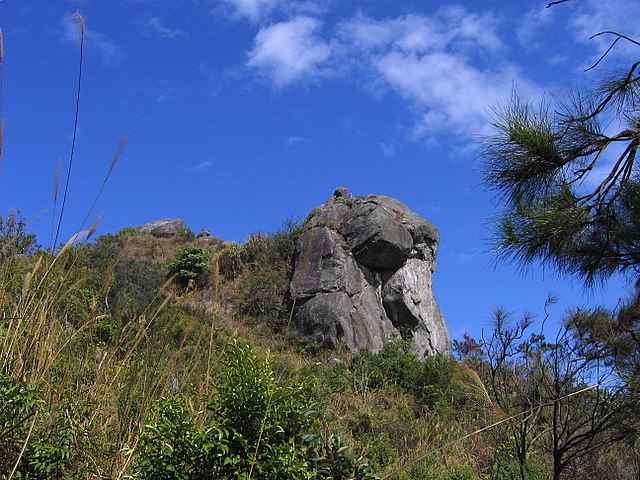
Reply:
x=255, y=427
x=190, y=267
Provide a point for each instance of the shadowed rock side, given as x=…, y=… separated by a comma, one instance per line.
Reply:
x=363, y=273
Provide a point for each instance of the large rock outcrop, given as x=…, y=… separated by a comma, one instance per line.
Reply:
x=362, y=276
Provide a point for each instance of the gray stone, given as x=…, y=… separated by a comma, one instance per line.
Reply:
x=363, y=276
x=409, y=303
x=377, y=239
x=167, y=227
x=325, y=318
x=323, y=265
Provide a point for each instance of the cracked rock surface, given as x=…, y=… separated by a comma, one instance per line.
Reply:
x=363, y=276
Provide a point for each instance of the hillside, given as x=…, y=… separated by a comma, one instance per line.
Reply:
x=145, y=356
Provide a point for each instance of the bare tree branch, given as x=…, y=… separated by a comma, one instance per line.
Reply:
x=615, y=34
x=556, y=2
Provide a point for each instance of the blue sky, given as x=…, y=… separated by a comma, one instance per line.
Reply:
x=240, y=114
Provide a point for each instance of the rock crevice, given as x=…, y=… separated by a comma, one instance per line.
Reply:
x=363, y=276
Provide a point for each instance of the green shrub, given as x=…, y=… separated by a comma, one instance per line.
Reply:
x=18, y=405
x=49, y=450
x=285, y=241
x=506, y=466
x=51, y=454
x=438, y=381
x=190, y=266
x=172, y=447
x=256, y=427
x=433, y=470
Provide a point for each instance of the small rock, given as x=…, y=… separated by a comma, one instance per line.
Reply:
x=167, y=227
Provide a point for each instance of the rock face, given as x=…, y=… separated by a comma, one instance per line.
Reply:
x=362, y=276
x=167, y=227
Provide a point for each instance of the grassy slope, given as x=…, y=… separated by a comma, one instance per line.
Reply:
x=100, y=337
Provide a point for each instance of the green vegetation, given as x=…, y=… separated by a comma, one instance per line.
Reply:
x=120, y=372
x=190, y=266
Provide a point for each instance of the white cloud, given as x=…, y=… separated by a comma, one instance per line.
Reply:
x=109, y=51
x=294, y=140
x=418, y=33
x=598, y=15
x=257, y=10
x=436, y=63
x=449, y=92
x=203, y=165
x=529, y=31
x=153, y=25
x=289, y=51
x=254, y=10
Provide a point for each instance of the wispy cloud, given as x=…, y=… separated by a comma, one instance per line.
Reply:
x=388, y=149
x=289, y=51
x=468, y=255
x=164, y=95
x=293, y=140
x=254, y=10
x=153, y=26
x=110, y=53
x=619, y=15
x=420, y=33
x=205, y=165
x=260, y=10
x=532, y=24
x=436, y=64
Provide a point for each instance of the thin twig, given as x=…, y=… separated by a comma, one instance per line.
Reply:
x=613, y=44
x=616, y=34
x=556, y=2
x=81, y=24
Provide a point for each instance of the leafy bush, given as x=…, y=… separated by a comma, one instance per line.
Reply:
x=172, y=447
x=190, y=266
x=48, y=452
x=18, y=404
x=437, y=381
x=506, y=466
x=430, y=470
x=257, y=428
